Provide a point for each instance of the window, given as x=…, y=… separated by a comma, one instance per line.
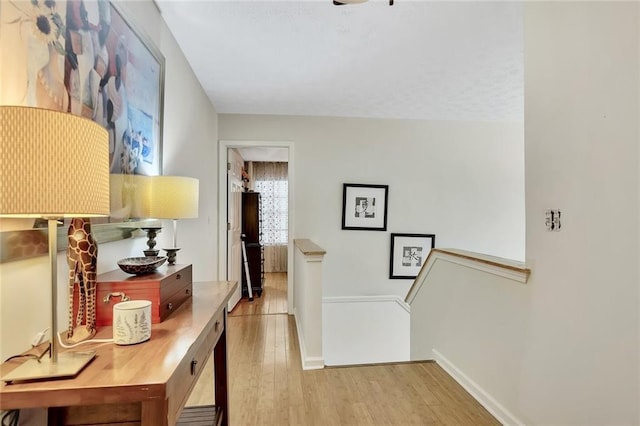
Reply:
x=271, y=181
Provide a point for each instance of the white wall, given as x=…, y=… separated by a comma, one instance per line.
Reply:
x=563, y=349
x=372, y=329
x=581, y=139
x=461, y=181
x=189, y=149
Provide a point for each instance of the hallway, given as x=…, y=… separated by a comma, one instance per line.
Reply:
x=267, y=385
x=272, y=301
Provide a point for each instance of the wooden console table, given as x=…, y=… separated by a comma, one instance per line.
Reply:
x=148, y=383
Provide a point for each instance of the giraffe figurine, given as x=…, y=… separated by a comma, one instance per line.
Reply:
x=82, y=257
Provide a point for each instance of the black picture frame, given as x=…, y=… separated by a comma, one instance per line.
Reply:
x=364, y=207
x=408, y=254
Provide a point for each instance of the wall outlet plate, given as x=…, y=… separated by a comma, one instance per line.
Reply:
x=552, y=220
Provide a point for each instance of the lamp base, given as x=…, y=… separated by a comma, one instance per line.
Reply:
x=69, y=364
x=152, y=232
x=171, y=255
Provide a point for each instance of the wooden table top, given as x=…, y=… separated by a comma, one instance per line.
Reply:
x=126, y=373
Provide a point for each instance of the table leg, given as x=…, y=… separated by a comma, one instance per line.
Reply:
x=155, y=413
x=220, y=374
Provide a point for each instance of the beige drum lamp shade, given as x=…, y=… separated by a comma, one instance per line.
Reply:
x=52, y=164
x=173, y=197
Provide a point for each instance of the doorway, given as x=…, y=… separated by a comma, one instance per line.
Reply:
x=229, y=261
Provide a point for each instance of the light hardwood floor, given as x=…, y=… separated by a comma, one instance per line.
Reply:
x=267, y=385
x=272, y=301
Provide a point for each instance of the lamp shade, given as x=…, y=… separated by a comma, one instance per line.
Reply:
x=52, y=164
x=172, y=197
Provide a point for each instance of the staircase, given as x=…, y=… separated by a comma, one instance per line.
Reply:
x=468, y=313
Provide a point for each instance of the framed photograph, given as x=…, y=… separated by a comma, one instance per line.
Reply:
x=408, y=254
x=88, y=59
x=364, y=207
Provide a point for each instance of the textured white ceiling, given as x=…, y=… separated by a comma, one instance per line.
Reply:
x=416, y=59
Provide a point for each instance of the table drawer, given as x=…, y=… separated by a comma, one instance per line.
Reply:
x=195, y=361
x=175, y=281
x=175, y=300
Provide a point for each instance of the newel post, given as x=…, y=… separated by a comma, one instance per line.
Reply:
x=307, y=299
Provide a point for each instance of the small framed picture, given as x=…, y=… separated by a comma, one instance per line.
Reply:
x=364, y=207
x=408, y=254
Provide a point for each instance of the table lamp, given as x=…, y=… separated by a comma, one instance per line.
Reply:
x=173, y=197
x=53, y=165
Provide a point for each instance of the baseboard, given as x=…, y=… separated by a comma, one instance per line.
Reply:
x=484, y=398
x=308, y=363
x=313, y=363
x=234, y=299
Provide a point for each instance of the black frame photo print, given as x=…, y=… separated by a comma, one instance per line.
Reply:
x=408, y=254
x=364, y=207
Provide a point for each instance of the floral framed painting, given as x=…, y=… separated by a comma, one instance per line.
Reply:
x=364, y=207
x=408, y=254
x=86, y=58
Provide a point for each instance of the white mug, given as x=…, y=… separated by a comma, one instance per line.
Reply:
x=131, y=322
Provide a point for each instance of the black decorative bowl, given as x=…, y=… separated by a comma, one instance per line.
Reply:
x=141, y=265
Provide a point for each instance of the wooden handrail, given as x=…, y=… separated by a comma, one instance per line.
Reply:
x=489, y=260
x=308, y=247
x=512, y=269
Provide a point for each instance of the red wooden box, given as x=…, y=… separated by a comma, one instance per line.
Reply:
x=167, y=288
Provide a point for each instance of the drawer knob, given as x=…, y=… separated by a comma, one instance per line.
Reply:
x=178, y=276
x=169, y=306
x=194, y=363
x=216, y=326
x=188, y=291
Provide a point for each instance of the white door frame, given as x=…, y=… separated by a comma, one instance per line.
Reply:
x=223, y=147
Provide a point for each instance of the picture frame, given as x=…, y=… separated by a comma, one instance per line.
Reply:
x=364, y=207
x=91, y=62
x=76, y=67
x=408, y=254
x=139, y=151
